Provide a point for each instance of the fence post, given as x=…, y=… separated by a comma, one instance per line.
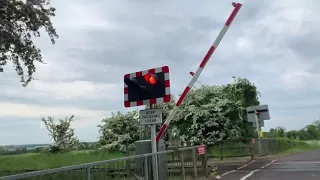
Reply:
x=220, y=149
x=88, y=173
x=146, y=176
x=182, y=165
x=204, y=163
x=252, y=150
x=194, y=160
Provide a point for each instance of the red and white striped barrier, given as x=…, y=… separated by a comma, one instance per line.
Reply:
x=203, y=63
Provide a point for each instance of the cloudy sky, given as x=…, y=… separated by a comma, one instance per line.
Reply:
x=272, y=43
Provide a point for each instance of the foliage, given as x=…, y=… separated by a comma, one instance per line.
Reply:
x=213, y=114
x=245, y=94
x=62, y=134
x=20, y=21
x=207, y=117
x=310, y=132
x=210, y=114
x=120, y=131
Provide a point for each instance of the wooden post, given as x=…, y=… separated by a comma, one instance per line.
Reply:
x=220, y=149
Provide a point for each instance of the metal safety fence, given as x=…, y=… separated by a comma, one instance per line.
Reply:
x=180, y=163
x=269, y=146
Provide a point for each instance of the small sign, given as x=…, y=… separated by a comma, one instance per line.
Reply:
x=263, y=113
x=150, y=116
x=201, y=150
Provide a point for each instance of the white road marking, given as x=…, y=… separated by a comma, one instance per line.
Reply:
x=252, y=172
x=237, y=168
x=268, y=164
x=299, y=162
x=246, y=164
x=227, y=172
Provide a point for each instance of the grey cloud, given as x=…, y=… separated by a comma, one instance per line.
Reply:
x=306, y=46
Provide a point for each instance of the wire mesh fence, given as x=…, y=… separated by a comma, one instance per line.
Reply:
x=179, y=163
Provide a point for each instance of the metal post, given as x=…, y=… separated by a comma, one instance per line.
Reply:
x=146, y=176
x=257, y=129
x=194, y=159
x=182, y=165
x=154, y=150
x=89, y=173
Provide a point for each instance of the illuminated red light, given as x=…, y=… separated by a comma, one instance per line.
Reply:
x=150, y=79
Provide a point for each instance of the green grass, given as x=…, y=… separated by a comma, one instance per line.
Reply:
x=39, y=161
x=307, y=147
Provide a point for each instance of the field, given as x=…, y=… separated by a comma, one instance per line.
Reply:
x=37, y=161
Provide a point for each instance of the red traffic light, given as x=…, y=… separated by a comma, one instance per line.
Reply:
x=150, y=79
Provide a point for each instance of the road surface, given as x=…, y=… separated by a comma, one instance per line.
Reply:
x=298, y=166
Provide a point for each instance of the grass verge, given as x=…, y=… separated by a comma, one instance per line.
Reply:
x=40, y=161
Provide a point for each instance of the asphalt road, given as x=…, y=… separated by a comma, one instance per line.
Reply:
x=298, y=166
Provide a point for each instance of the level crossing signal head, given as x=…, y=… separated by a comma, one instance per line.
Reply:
x=147, y=87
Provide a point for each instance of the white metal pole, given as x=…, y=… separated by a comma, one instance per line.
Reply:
x=154, y=150
x=257, y=129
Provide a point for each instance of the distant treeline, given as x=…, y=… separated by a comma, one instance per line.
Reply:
x=310, y=132
x=28, y=148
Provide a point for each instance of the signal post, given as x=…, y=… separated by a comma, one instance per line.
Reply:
x=148, y=87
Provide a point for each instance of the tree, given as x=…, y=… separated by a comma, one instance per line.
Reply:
x=207, y=117
x=120, y=131
x=62, y=134
x=217, y=113
x=20, y=21
x=280, y=131
x=293, y=134
x=245, y=93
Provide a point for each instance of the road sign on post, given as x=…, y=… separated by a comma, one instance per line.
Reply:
x=258, y=114
x=150, y=116
x=147, y=87
x=262, y=113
